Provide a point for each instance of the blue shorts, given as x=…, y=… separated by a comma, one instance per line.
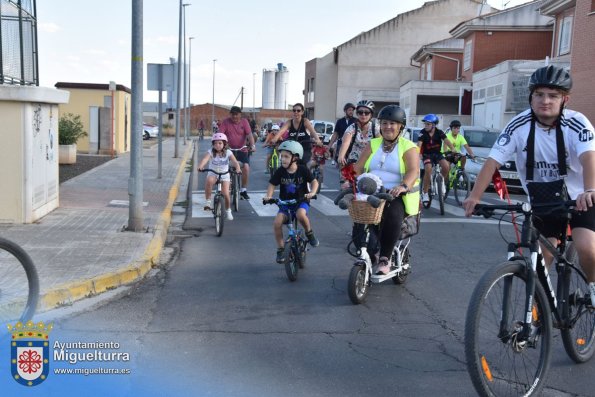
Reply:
x=293, y=208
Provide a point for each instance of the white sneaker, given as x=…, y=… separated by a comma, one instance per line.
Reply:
x=229, y=216
x=208, y=205
x=425, y=197
x=592, y=289
x=333, y=162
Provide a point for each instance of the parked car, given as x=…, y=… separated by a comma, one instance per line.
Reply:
x=150, y=131
x=412, y=133
x=324, y=129
x=481, y=140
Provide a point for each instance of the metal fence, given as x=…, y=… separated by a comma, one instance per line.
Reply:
x=18, y=42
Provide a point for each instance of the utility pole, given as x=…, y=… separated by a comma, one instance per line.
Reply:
x=179, y=85
x=135, y=182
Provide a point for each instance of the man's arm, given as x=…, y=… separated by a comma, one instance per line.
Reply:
x=587, y=199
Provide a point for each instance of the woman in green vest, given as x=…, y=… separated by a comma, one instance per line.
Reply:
x=395, y=160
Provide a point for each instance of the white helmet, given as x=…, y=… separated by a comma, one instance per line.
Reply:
x=275, y=127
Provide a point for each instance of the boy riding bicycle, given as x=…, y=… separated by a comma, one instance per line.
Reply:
x=292, y=180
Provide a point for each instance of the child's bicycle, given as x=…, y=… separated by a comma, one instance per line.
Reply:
x=458, y=180
x=19, y=283
x=218, y=202
x=319, y=159
x=274, y=161
x=294, y=251
x=508, y=328
x=361, y=276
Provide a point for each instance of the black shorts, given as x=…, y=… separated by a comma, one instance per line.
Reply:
x=432, y=158
x=241, y=156
x=555, y=226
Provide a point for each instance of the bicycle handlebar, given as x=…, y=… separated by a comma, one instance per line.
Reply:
x=279, y=202
x=214, y=172
x=487, y=210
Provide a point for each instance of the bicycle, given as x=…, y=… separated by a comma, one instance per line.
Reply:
x=361, y=277
x=318, y=168
x=274, y=161
x=458, y=180
x=436, y=188
x=508, y=327
x=236, y=181
x=218, y=202
x=295, y=248
x=19, y=283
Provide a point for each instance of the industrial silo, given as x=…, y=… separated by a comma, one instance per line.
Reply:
x=268, y=89
x=281, y=80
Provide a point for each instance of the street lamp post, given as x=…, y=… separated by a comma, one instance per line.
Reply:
x=189, y=73
x=253, y=96
x=185, y=78
x=213, y=111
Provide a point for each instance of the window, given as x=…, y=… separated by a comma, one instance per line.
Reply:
x=592, y=5
x=467, y=55
x=565, y=36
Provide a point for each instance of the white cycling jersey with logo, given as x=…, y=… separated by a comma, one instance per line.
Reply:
x=578, y=139
x=220, y=164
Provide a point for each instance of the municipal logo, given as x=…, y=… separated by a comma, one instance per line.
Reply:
x=29, y=352
x=503, y=139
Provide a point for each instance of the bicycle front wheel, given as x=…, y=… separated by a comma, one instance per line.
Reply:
x=440, y=190
x=19, y=283
x=235, y=192
x=579, y=336
x=461, y=187
x=357, y=287
x=500, y=361
x=219, y=216
x=291, y=260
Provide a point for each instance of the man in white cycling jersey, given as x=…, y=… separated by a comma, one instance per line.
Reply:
x=549, y=144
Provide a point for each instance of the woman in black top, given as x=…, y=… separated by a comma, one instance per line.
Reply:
x=300, y=129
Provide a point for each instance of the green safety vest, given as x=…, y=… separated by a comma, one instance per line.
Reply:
x=411, y=199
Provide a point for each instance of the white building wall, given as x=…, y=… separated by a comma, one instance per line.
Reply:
x=377, y=62
x=325, y=93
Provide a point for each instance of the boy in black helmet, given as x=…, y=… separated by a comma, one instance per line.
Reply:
x=551, y=143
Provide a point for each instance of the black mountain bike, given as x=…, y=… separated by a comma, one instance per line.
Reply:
x=509, y=326
x=19, y=284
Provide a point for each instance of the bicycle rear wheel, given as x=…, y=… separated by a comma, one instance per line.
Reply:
x=461, y=187
x=218, y=205
x=499, y=362
x=291, y=260
x=440, y=191
x=235, y=191
x=579, y=337
x=19, y=283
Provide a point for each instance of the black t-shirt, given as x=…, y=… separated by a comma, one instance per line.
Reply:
x=292, y=186
x=431, y=144
x=341, y=125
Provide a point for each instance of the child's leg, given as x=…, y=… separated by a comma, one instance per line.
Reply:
x=209, y=182
x=302, y=217
x=225, y=190
x=278, y=229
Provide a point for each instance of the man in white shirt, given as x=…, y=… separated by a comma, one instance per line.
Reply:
x=572, y=160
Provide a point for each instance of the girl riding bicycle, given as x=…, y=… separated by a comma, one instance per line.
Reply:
x=219, y=158
x=394, y=160
x=292, y=179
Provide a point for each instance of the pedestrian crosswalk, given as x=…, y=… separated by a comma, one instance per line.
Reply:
x=325, y=205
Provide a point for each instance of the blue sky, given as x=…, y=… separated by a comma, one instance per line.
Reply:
x=89, y=42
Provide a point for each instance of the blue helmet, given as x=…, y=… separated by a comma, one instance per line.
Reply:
x=430, y=118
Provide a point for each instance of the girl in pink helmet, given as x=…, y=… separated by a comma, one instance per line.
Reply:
x=219, y=158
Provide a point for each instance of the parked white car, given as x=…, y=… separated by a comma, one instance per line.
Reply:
x=481, y=140
x=150, y=131
x=324, y=129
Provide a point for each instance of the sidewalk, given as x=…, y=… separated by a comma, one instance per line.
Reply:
x=81, y=248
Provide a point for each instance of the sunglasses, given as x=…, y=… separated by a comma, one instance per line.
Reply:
x=297, y=110
x=363, y=113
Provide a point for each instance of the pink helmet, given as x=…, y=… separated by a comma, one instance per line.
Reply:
x=219, y=136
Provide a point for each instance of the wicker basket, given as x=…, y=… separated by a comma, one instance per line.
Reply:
x=363, y=212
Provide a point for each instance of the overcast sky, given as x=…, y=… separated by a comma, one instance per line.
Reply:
x=87, y=41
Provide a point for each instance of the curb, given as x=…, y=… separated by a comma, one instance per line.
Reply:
x=67, y=294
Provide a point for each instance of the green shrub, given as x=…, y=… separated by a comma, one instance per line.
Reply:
x=70, y=129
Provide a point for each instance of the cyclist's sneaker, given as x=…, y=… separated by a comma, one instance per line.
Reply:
x=228, y=215
x=425, y=197
x=383, y=266
x=333, y=162
x=592, y=290
x=280, y=258
x=244, y=195
x=208, y=205
x=312, y=239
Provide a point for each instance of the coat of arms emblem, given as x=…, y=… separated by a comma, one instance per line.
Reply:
x=29, y=352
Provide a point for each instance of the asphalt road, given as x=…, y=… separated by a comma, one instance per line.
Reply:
x=221, y=319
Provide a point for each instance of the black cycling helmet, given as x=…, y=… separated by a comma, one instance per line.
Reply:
x=455, y=123
x=550, y=76
x=393, y=113
x=348, y=105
